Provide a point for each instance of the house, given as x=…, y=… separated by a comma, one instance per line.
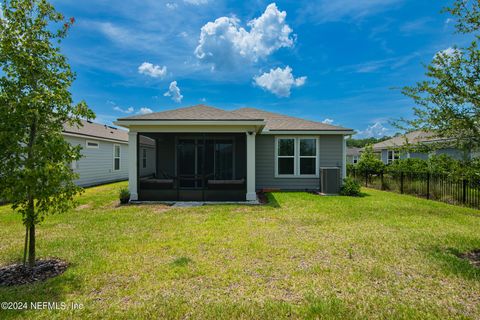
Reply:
x=353, y=155
x=204, y=153
x=104, y=153
x=389, y=149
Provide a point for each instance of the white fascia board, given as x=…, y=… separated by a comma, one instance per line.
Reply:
x=88, y=137
x=312, y=132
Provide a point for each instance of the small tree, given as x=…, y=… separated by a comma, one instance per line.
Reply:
x=369, y=161
x=448, y=102
x=34, y=105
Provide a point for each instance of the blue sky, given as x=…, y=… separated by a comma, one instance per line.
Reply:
x=336, y=61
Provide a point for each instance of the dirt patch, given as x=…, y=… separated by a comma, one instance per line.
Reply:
x=473, y=257
x=17, y=274
x=83, y=207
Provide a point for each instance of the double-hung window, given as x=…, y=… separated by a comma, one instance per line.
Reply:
x=116, y=157
x=393, y=155
x=296, y=157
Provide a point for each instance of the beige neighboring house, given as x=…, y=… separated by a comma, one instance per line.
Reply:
x=204, y=153
x=388, y=149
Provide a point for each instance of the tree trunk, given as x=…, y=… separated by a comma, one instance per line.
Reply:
x=31, y=219
x=31, y=247
x=25, y=247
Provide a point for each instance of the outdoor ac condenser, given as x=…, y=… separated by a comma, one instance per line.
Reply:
x=330, y=180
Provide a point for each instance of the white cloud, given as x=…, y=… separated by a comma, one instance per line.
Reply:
x=171, y=5
x=145, y=110
x=174, y=92
x=127, y=111
x=279, y=81
x=224, y=43
x=327, y=10
x=149, y=69
x=328, y=121
x=196, y=2
x=376, y=130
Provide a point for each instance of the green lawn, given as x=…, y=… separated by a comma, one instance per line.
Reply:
x=303, y=256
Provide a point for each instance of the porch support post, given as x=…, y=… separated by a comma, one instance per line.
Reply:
x=344, y=158
x=251, y=194
x=132, y=166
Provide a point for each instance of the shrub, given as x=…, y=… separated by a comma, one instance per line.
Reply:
x=350, y=187
x=124, y=195
x=369, y=161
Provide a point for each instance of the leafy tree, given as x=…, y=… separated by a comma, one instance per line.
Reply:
x=448, y=101
x=369, y=161
x=35, y=102
x=408, y=165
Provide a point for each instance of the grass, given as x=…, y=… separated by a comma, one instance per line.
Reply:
x=381, y=256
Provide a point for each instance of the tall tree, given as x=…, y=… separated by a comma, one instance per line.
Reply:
x=35, y=103
x=448, y=101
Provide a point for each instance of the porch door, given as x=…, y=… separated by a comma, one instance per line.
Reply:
x=186, y=163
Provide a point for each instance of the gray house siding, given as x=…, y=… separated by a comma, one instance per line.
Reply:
x=96, y=165
x=330, y=155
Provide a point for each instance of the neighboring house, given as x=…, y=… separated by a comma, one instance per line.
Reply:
x=389, y=149
x=353, y=155
x=104, y=153
x=208, y=154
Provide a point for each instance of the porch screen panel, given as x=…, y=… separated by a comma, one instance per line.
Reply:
x=223, y=159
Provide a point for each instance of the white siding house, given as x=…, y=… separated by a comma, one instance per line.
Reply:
x=104, y=153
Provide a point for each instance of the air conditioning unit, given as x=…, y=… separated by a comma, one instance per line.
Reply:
x=330, y=180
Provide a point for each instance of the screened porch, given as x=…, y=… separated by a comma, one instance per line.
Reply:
x=191, y=166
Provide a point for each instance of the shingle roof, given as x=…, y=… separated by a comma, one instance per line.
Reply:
x=413, y=137
x=96, y=130
x=281, y=122
x=274, y=121
x=353, y=151
x=198, y=112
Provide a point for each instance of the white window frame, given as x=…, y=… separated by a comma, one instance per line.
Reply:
x=92, y=147
x=119, y=157
x=144, y=158
x=297, y=157
x=395, y=155
x=355, y=159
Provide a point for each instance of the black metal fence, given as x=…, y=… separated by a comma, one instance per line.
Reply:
x=439, y=187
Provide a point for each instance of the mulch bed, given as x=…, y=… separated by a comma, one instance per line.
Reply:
x=17, y=274
x=473, y=257
x=262, y=197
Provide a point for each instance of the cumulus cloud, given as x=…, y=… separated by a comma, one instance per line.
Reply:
x=376, y=130
x=128, y=110
x=144, y=110
x=279, y=81
x=224, y=43
x=171, y=5
x=328, y=121
x=174, y=92
x=151, y=70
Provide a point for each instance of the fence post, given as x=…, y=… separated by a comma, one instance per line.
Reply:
x=366, y=178
x=381, y=180
x=401, y=182
x=428, y=185
x=464, y=191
